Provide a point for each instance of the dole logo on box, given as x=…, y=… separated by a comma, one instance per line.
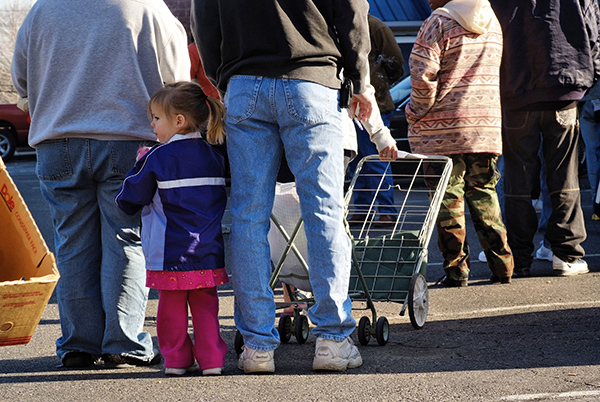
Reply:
x=8, y=198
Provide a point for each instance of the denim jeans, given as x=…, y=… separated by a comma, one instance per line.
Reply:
x=265, y=115
x=590, y=132
x=521, y=139
x=371, y=178
x=101, y=292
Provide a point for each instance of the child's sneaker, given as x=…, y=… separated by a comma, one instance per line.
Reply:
x=213, y=371
x=331, y=355
x=563, y=268
x=181, y=371
x=256, y=361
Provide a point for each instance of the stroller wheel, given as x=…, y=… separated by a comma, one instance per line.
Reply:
x=301, y=329
x=382, y=331
x=364, y=330
x=285, y=328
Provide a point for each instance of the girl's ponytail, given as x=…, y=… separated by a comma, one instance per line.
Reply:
x=215, y=131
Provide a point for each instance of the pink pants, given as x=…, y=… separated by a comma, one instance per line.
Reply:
x=178, y=350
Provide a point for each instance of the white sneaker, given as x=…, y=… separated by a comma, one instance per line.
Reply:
x=543, y=253
x=256, y=361
x=336, y=356
x=213, y=371
x=182, y=371
x=482, y=257
x=563, y=268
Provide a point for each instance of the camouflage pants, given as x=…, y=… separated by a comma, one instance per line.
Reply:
x=473, y=178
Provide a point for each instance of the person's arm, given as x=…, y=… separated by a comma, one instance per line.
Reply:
x=138, y=188
x=350, y=20
x=174, y=58
x=18, y=68
x=390, y=56
x=424, y=68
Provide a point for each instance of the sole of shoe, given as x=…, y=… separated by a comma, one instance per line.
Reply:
x=213, y=371
x=570, y=272
x=253, y=367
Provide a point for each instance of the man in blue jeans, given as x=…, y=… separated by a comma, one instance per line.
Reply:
x=278, y=64
x=88, y=69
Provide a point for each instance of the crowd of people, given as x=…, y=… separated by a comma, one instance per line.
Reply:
x=137, y=205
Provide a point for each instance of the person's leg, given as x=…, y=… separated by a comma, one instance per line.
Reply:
x=482, y=199
x=374, y=178
x=310, y=124
x=566, y=227
x=123, y=273
x=521, y=142
x=590, y=133
x=254, y=149
x=67, y=186
x=172, y=328
x=451, y=226
x=209, y=348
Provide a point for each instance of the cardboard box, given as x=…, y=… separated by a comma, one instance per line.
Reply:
x=28, y=271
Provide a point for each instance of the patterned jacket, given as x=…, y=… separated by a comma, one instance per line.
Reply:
x=455, y=100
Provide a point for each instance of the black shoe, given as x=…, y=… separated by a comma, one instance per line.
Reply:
x=118, y=361
x=386, y=220
x=496, y=279
x=357, y=219
x=78, y=360
x=455, y=283
x=521, y=273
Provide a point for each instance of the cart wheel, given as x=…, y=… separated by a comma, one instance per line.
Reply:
x=418, y=301
x=285, y=328
x=238, y=342
x=301, y=329
x=382, y=331
x=364, y=330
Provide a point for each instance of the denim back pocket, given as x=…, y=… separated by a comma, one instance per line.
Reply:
x=53, y=162
x=308, y=102
x=122, y=155
x=241, y=97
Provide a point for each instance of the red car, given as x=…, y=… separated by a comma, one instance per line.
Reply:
x=14, y=129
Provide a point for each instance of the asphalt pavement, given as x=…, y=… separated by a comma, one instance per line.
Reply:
x=536, y=339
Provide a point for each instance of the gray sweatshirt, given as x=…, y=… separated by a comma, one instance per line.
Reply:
x=89, y=67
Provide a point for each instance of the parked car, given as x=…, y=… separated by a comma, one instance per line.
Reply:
x=14, y=129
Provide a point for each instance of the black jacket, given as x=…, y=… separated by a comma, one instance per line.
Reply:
x=312, y=40
x=551, y=50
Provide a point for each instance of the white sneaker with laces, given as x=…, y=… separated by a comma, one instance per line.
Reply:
x=213, y=371
x=256, y=361
x=563, y=268
x=182, y=371
x=543, y=253
x=331, y=355
x=482, y=257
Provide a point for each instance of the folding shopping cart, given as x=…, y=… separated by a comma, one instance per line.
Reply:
x=389, y=258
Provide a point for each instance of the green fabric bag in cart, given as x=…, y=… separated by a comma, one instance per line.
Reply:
x=387, y=264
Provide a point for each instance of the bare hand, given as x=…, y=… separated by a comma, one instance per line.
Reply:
x=361, y=106
x=389, y=154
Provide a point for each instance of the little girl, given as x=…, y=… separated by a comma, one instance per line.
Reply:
x=180, y=184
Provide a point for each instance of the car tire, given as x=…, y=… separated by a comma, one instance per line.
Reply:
x=8, y=144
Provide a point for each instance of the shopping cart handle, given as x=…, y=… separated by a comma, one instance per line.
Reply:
x=408, y=155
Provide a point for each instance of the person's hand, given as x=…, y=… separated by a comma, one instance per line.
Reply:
x=389, y=154
x=362, y=105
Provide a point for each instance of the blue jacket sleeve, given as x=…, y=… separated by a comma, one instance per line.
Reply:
x=138, y=188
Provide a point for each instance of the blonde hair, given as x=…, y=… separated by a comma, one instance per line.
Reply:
x=188, y=99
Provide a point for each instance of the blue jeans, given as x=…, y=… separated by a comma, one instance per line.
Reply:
x=590, y=132
x=371, y=175
x=101, y=292
x=265, y=115
x=522, y=141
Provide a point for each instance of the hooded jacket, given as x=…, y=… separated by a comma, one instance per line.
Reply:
x=455, y=72
x=570, y=61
